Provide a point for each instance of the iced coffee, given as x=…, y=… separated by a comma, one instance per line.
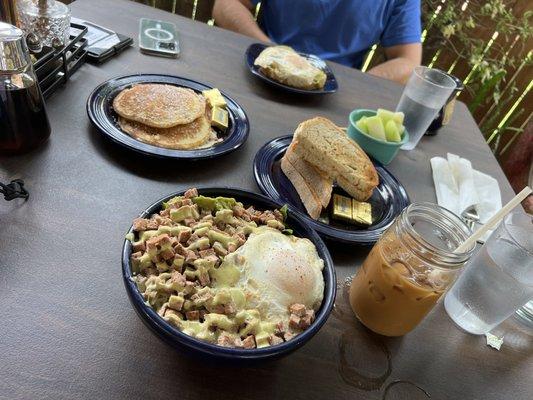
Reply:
x=408, y=269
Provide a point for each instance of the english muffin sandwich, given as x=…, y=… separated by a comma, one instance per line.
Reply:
x=284, y=65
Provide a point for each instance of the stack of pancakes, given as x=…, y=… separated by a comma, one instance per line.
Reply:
x=163, y=115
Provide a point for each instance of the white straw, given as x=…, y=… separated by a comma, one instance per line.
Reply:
x=492, y=222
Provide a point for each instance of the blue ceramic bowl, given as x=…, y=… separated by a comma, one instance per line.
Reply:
x=382, y=151
x=180, y=340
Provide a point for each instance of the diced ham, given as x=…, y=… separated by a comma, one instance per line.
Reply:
x=306, y=321
x=191, y=256
x=152, y=224
x=204, y=278
x=240, y=238
x=189, y=221
x=249, y=342
x=225, y=340
x=229, y=309
x=179, y=249
x=209, y=255
x=192, y=315
x=183, y=236
x=158, y=241
x=294, y=321
x=288, y=336
x=193, y=238
x=280, y=328
x=168, y=254
x=274, y=340
x=189, y=194
x=176, y=277
x=141, y=246
x=297, y=309
x=162, y=310
x=140, y=224
x=232, y=247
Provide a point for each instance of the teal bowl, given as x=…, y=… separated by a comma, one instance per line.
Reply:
x=384, y=152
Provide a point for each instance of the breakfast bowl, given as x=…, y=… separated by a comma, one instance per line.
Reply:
x=170, y=334
x=381, y=150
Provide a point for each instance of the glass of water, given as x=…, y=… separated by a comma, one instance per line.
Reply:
x=426, y=92
x=498, y=280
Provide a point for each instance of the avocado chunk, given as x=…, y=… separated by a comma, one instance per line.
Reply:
x=206, y=203
x=173, y=200
x=225, y=240
x=225, y=216
x=225, y=275
x=184, y=212
x=219, y=320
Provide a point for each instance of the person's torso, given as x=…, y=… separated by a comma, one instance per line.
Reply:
x=338, y=30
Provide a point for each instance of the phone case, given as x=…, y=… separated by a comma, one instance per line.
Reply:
x=158, y=38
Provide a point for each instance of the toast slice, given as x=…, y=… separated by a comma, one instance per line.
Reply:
x=310, y=202
x=317, y=181
x=324, y=145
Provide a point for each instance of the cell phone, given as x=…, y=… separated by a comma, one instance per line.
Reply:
x=102, y=43
x=158, y=38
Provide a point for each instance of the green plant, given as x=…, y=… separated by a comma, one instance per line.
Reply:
x=491, y=38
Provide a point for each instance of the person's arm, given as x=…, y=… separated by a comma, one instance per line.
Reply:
x=236, y=15
x=401, y=42
x=401, y=59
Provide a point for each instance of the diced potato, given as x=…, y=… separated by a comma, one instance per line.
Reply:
x=376, y=128
x=391, y=132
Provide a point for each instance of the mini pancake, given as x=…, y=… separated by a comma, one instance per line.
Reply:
x=181, y=137
x=159, y=106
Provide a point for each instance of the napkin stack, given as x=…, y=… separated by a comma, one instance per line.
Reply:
x=459, y=187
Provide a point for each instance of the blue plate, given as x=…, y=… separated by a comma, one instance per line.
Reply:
x=182, y=341
x=331, y=85
x=101, y=114
x=387, y=201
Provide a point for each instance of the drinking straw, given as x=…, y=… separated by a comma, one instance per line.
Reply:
x=494, y=220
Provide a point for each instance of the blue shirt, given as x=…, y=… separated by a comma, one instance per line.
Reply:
x=341, y=30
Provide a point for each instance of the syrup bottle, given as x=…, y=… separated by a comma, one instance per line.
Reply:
x=24, y=124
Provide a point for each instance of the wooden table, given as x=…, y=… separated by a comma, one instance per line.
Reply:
x=68, y=330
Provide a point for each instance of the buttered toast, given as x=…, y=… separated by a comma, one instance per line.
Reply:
x=321, y=143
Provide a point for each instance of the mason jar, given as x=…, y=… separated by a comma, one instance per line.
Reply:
x=409, y=269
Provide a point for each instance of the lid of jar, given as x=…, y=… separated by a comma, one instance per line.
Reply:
x=14, y=54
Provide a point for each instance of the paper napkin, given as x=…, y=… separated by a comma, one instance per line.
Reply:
x=459, y=186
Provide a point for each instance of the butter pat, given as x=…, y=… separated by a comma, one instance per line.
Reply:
x=342, y=208
x=361, y=212
x=219, y=118
x=350, y=210
x=214, y=98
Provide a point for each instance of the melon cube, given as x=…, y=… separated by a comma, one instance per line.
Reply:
x=361, y=125
x=376, y=128
x=385, y=115
x=391, y=132
x=398, y=117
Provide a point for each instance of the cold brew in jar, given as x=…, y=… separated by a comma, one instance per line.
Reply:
x=409, y=269
x=23, y=121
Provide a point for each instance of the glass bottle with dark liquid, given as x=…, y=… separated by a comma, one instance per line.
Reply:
x=23, y=121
